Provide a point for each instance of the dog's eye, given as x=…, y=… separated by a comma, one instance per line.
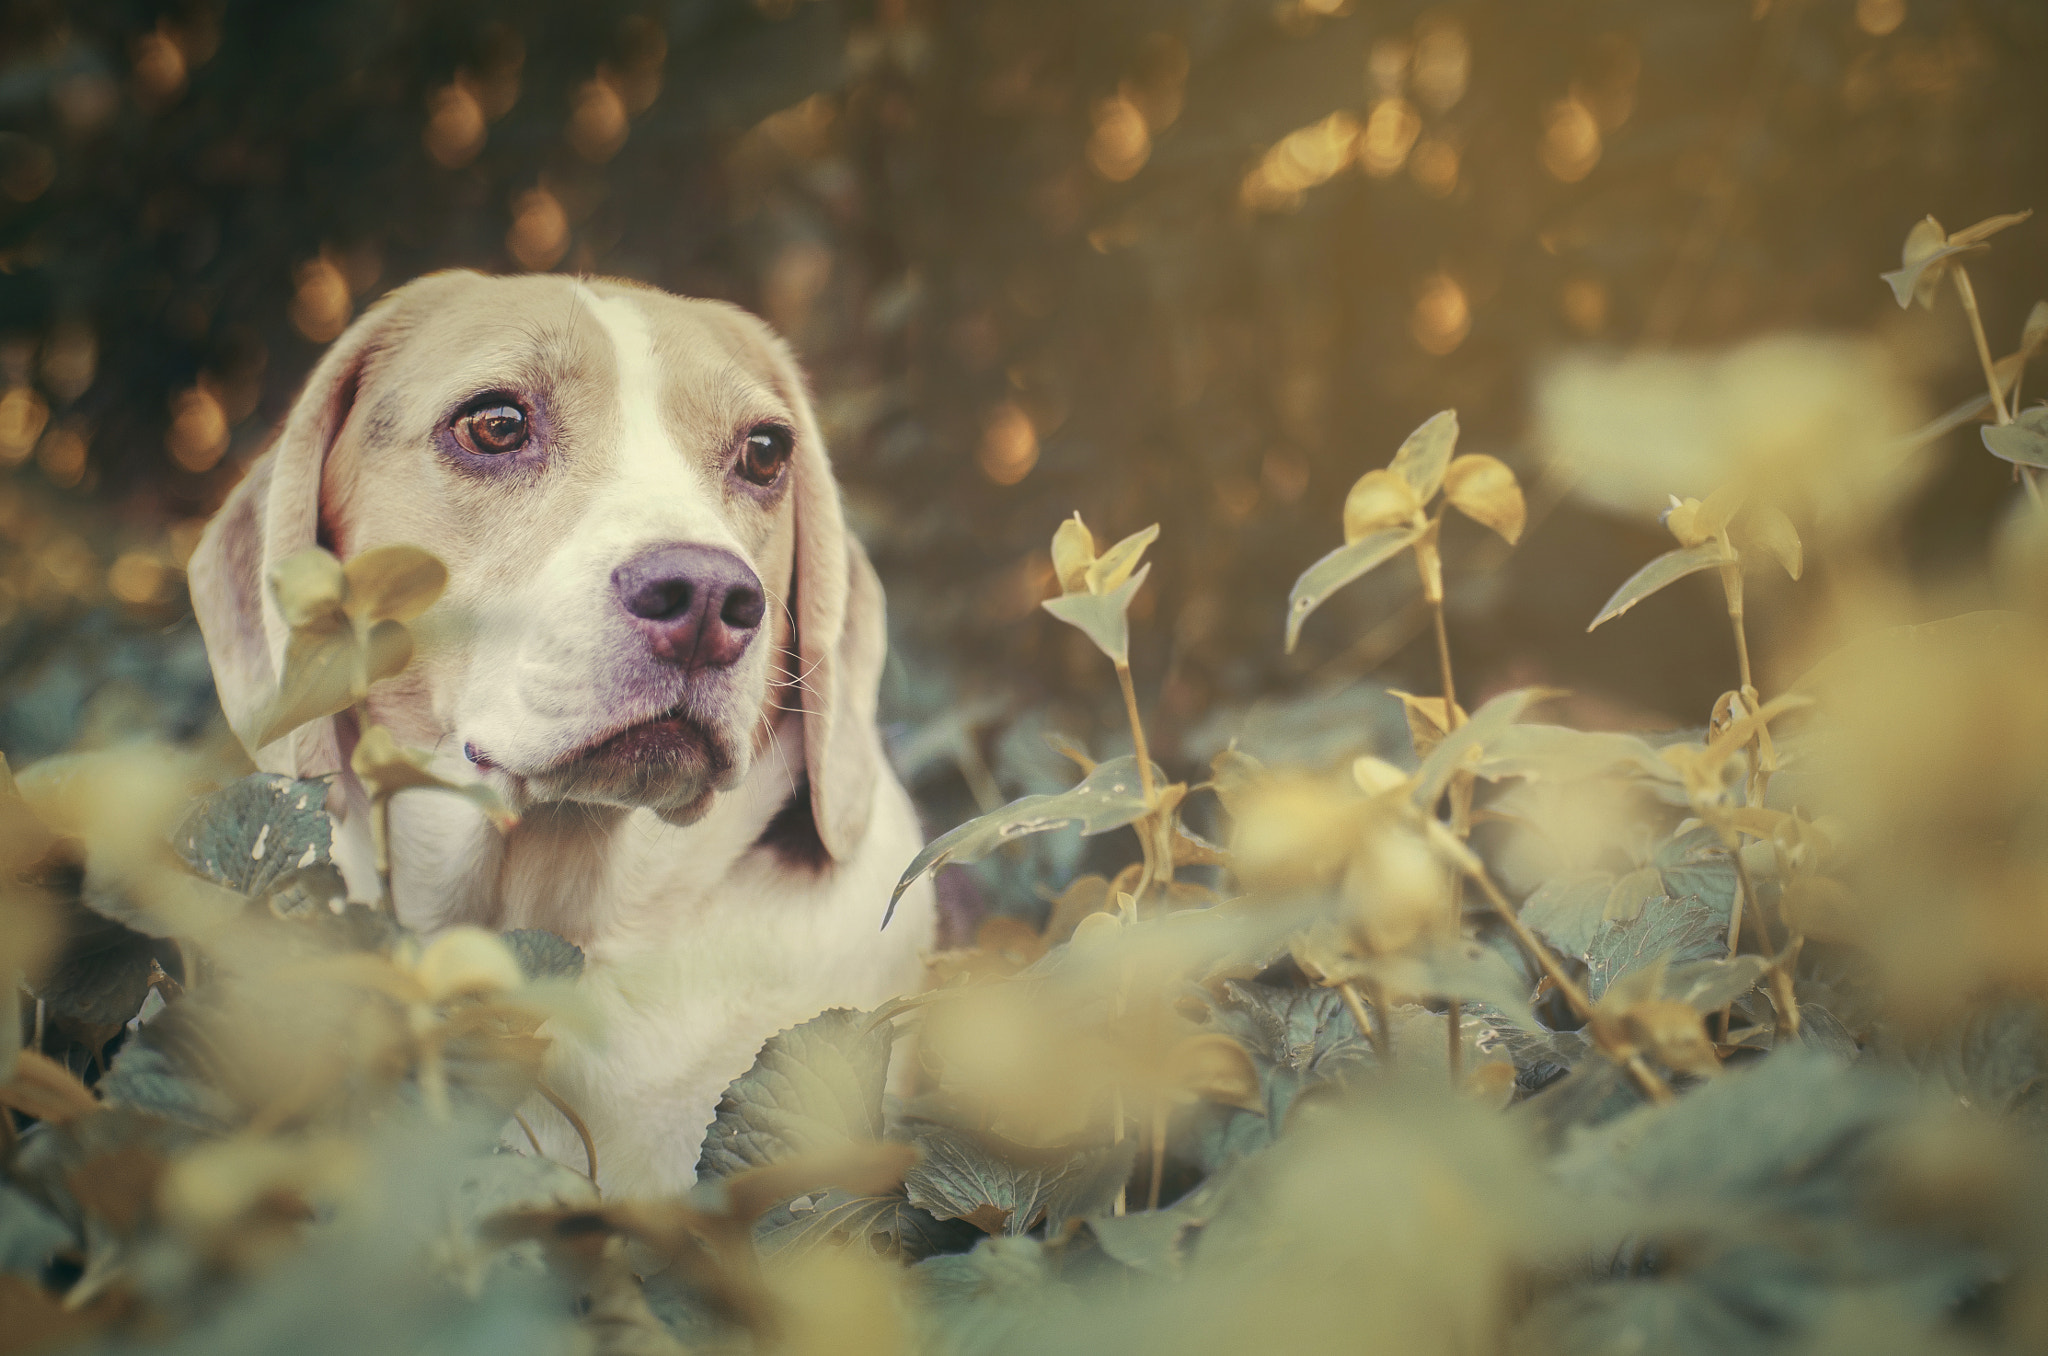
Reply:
x=491, y=429
x=765, y=452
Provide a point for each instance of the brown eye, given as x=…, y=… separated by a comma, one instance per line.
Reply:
x=765, y=452
x=491, y=430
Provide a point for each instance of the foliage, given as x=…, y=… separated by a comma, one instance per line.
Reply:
x=1489, y=1034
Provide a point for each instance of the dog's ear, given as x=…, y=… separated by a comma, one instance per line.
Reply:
x=841, y=639
x=272, y=513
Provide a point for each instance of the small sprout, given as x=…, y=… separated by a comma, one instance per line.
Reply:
x=348, y=628
x=1378, y=501
x=1096, y=591
x=1930, y=250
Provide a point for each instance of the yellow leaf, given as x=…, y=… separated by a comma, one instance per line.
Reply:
x=1114, y=566
x=1427, y=723
x=310, y=589
x=1378, y=501
x=1486, y=491
x=1718, y=510
x=1682, y=521
x=393, y=583
x=467, y=960
x=1215, y=1068
x=1073, y=551
x=1625, y=900
x=1376, y=776
x=1774, y=532
x=1988, y=227
x=319, y=679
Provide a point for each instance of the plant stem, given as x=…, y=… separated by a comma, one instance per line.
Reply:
x=1349, y=991
x=1158, y=1154
x=1653, y=1085
x=1123, y=676
x=554, y=1100
x=1969, y=296
x=1443, y=663
x=1454, y=1025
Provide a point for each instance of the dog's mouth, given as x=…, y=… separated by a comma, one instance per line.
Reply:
x=666, y=762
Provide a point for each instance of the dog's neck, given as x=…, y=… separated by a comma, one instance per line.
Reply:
x=602, y=877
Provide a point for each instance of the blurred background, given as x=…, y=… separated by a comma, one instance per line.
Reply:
x=1198, y=262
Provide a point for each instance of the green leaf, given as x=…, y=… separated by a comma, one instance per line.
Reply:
x=1696, y=865
x=146, y=1077
x=1426, y=454
x=814, y=1088
x=29, y=1234
x=1156, y=1241
x=962, y=1177
x=2024, y=441
x=1459, y=968
x=1682, y=930
x=319, y=679
x=1108, y=798
x=1569, y=912
x=1339, y=568
x=543, y=955
x=252, y=834
x=1711, y=985
x=1488, y=723
x=886, y=1226
x=1102, y=617
x=1665, y=570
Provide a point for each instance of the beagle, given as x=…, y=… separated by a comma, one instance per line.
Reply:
x=659, y=642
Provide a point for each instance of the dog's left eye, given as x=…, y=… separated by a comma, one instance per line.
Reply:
x=491, y=429
x=765, y=452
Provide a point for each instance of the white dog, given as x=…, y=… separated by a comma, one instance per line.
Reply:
x=659, y=642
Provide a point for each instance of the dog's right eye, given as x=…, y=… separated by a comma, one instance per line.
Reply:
x=491, y=429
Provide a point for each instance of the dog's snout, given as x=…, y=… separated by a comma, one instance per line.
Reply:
x=698, y=605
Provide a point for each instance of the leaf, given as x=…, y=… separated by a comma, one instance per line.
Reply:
x=961, y=1177
x=1660, y=573
x=1426, y=454
x=815, y=1088
x=319, y=679
x=1102, y=617
x=2035, y=332
x=1990, y=226
x=1710, y=985
x=311, y=588
x=1378, y=501
x=1558, y=753
x=252, y=834
x=1108, y=798
x=1486, y=491
x=1569, y=913
x=543, y=955
x=146, y=1078
x=393, y=583
x=2024, y=441
x=45, y=1089
x=1489, y=722
x=1073, y=551
x=1428, y=721
x=1113, y=567
x=1300, y=1038
x=1925, y=262
x=1773, y=531
x=1155, y=1241
x=1673, y=931
x=386, y=767
x=884, y=1226
x=1215, y=1068
x=1340, y=567
x=1456, y=968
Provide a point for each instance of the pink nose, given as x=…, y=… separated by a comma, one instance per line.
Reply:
x=697, y=605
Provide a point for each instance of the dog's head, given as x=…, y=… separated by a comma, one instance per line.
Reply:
x=645, y=546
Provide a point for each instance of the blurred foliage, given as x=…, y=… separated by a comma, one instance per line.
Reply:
x=1464, y=1031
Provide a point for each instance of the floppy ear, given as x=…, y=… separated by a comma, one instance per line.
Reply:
x=272, y=513
x=842, y=640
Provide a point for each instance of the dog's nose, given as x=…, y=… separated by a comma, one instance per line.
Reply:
x=698, y=605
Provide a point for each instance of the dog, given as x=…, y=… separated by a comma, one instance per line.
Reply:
x=659, y=643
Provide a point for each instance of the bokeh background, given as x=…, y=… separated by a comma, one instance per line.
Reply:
x=1198, y=262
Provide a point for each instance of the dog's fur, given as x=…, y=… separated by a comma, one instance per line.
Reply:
x=723, y=890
